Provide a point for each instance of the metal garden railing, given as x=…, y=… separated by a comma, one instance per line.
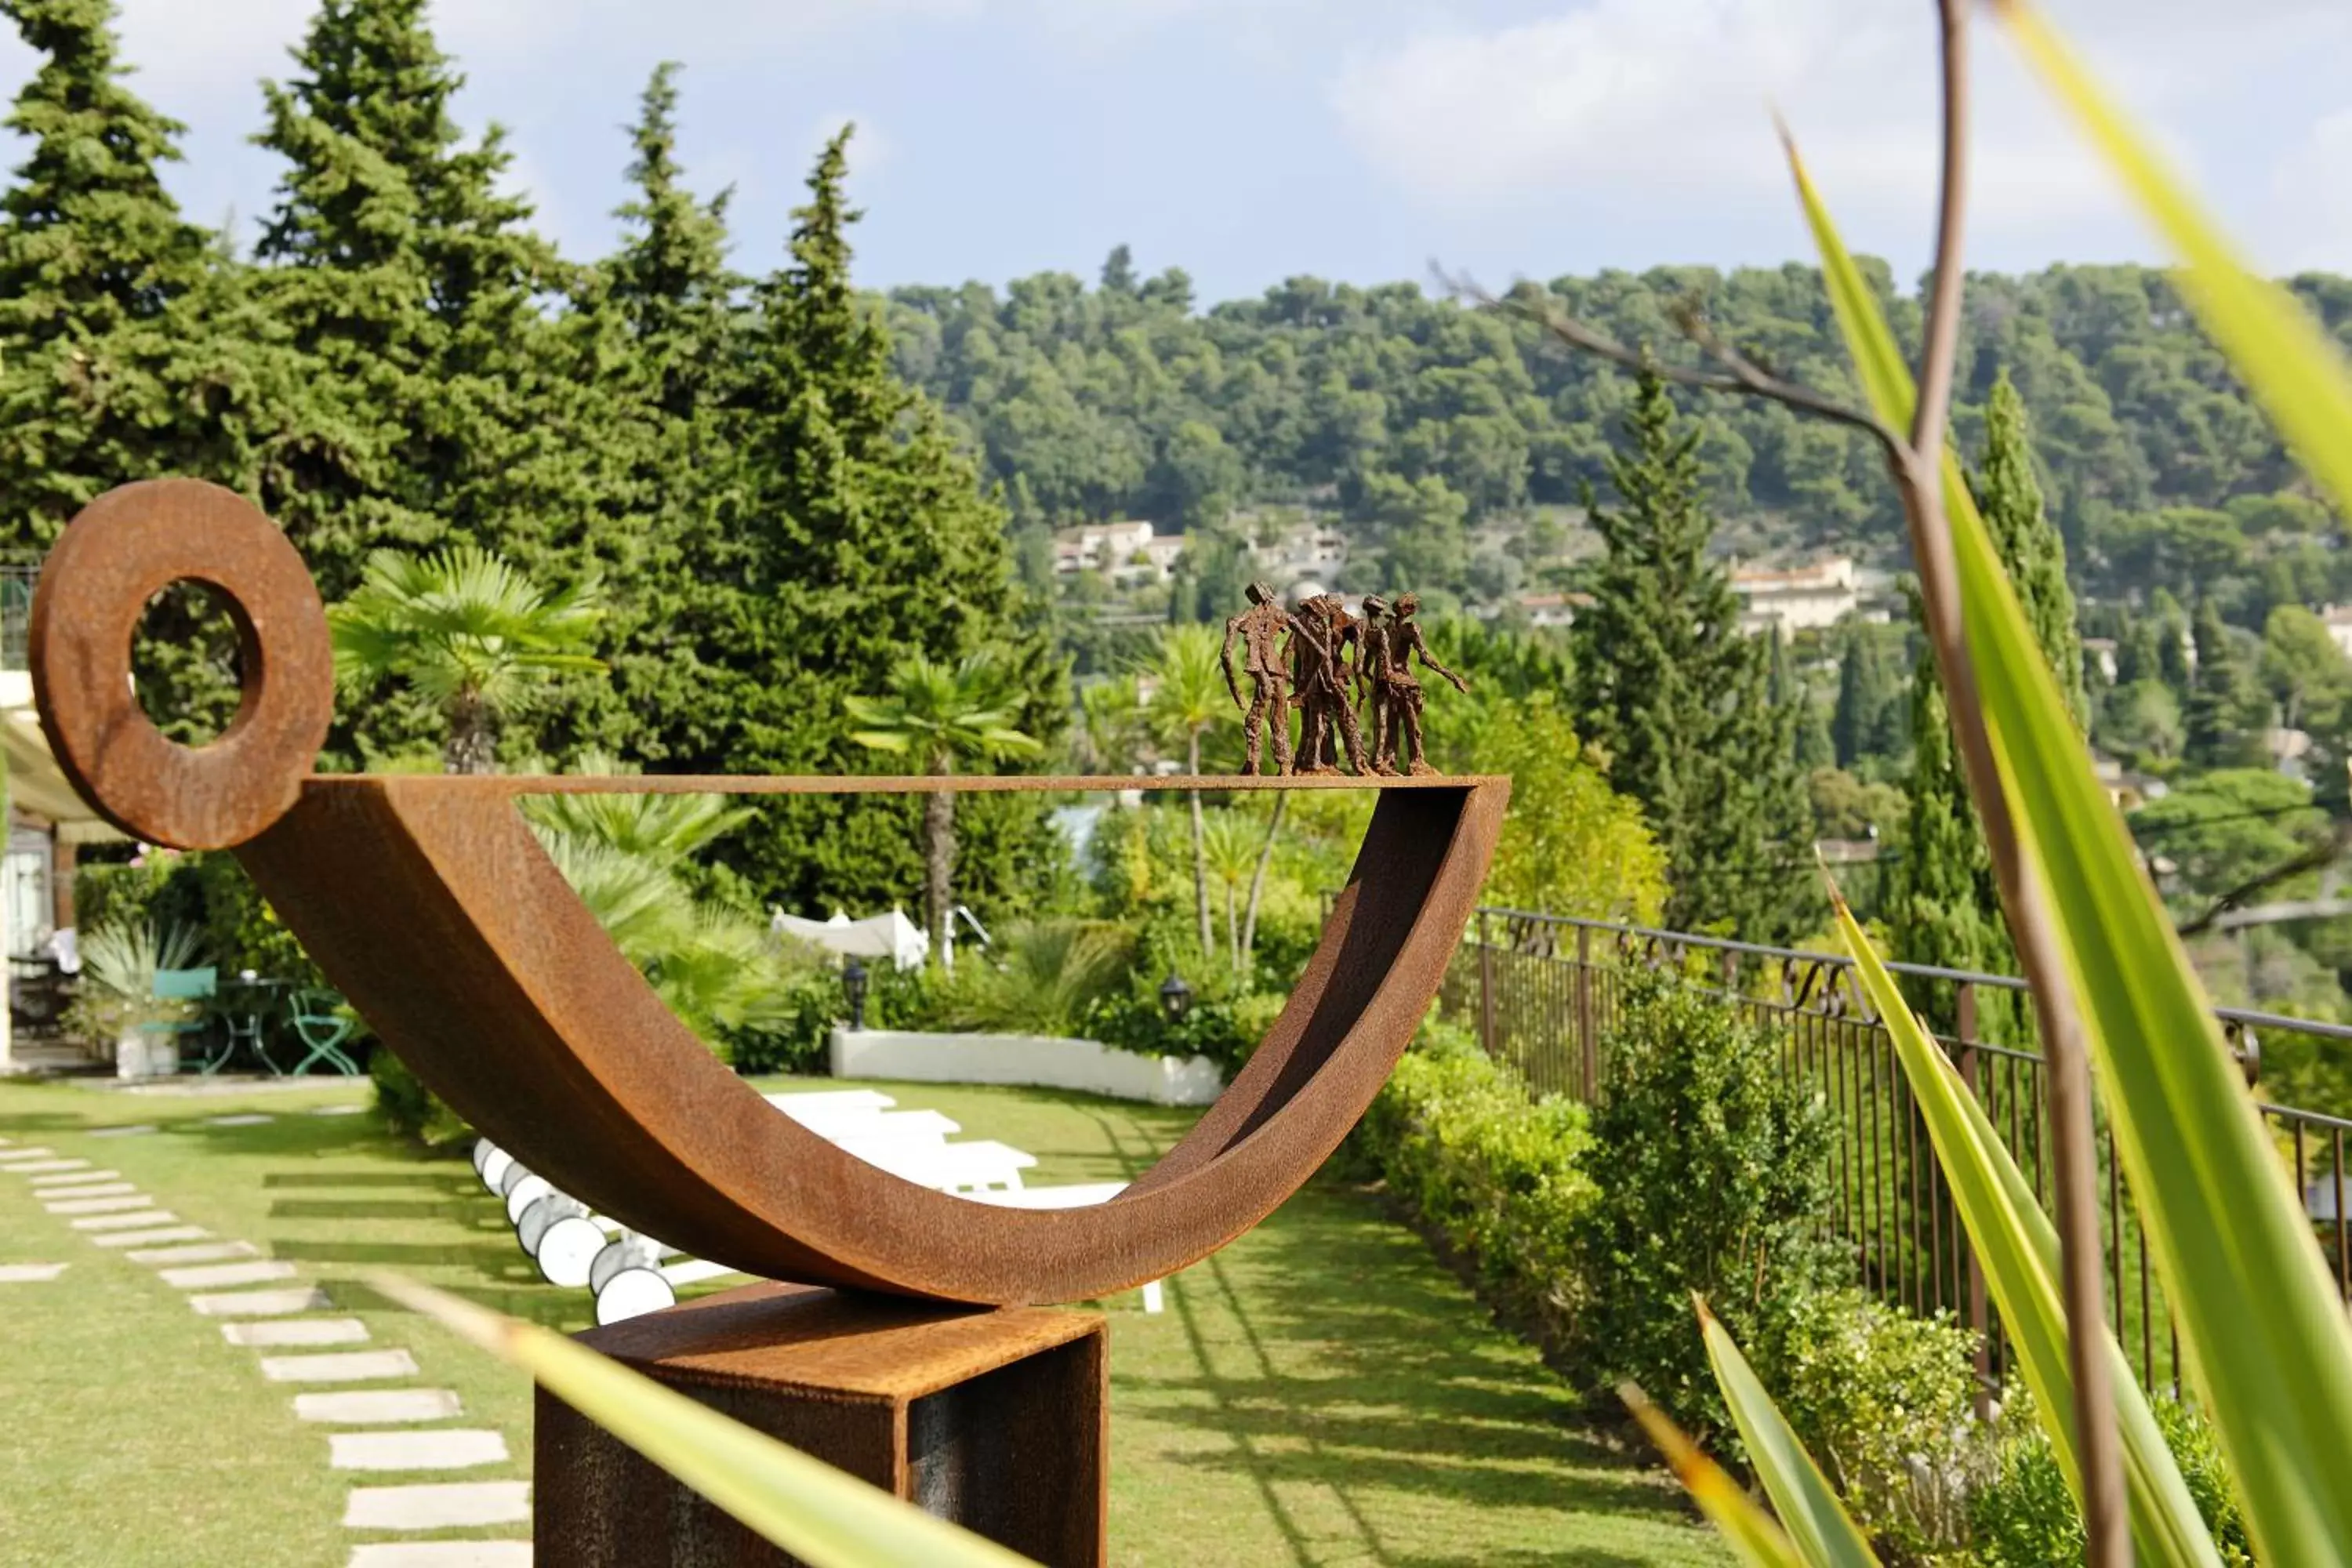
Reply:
x=1543, y=992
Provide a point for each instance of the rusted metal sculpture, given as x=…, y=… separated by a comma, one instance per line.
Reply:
x=1327, y=716
x=1399, y=694
x=1261, y=628
x=429, y=903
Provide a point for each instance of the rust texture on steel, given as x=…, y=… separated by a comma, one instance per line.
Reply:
x=996, y=1420
x=431, y=905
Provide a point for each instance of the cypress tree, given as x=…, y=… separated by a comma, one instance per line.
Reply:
x=1945, y=908
x=1866, y=721
x=858, y=534
x=2226, y=708
x=2010, y=498
x=1679, y=700
x=98, y=278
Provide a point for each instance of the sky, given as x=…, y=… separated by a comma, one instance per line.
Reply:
x=1250, y=140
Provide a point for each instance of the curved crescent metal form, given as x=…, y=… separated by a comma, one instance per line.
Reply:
x=432, y=906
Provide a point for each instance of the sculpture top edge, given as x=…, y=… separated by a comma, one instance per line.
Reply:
x=883, y=784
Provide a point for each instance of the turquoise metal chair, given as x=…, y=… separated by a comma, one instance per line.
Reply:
x=189, y=985
x=323, y=1025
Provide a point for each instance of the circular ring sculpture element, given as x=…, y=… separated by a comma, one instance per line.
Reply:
x=431, y=906
x=126, y=546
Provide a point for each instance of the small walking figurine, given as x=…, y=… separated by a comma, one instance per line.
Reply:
x=1259, y=626
x=1322, y=677
x=1397, y=696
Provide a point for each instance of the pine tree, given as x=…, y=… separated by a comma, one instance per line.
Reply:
x=1945, y=908
x=99, y=276
x=651, y=339
x=408, y=283
x=860, y=536
x=1679, y=700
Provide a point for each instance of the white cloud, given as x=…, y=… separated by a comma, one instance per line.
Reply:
x=1668, y=103
x=2313, y=182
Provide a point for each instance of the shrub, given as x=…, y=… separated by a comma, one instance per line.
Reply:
x=1497, y=1173
x=2025, y=1516
x=1713, y=1180
x=1885, y=1403
x=408, y=1108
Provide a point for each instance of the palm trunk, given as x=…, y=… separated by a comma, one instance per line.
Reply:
x=471, y=748
x=1233, y=936
x=1201, y=859
x=939, y=868
x=1257, y=881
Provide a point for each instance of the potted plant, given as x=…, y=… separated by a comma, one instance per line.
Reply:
x=116, y=1005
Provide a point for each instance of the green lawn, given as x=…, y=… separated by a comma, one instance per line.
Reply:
x=1321, y=1391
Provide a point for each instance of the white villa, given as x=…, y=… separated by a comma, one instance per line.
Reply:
x=2339, y=619
x=1800, y=598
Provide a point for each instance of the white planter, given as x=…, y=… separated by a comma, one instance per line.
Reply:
x=1029, y=1059
x=140, y=1055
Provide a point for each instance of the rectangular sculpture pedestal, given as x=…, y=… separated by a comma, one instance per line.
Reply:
x=995, y=1419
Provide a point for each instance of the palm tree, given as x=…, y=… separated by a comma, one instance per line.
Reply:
x=937, y=715
x=1111, y=731
x=473, y=635
x=1188, y=698
x=1230, y=847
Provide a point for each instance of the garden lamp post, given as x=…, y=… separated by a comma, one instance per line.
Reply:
x=1175, y=997
x=853, y=990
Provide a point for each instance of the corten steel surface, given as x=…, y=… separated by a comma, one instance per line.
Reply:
x=997, y=1420
x=430, y=904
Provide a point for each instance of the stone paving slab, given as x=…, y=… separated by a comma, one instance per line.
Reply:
x=262, y=1304
x=247, y=1119
x=448, y=1506
x=35, y=1167
x=201, y=1252
x=344, y=1366
x=143, y=1217
x=149, y=1237
x=378, y=1406
x=84, y=1190
x=118, y=1204
x=285, y=1334
x=10, y=1156
x=131, y=1132
x=72, y=1178
x=439, y=1448
x=128, y=1221
x=442, y=1554
x=340, y=1110
x=29, y=1273
x=214, y=1276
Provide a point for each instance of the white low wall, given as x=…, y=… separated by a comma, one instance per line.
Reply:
x=1031, y=1059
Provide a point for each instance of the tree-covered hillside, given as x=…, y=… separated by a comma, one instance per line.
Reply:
x=1462, y=439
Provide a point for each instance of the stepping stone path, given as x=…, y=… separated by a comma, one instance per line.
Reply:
x=349, y=1366
x=399, y=1431
x=253, y=1119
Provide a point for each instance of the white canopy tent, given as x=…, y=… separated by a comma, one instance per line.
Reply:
x=39, y=794
x=892, y=936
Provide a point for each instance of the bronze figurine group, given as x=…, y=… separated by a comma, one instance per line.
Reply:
x=1315, y=673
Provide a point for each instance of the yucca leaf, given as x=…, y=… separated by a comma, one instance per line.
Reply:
x=2268, y=1342
x=2017, y=1248
x=1754, y=1539
x=2284, y=357
x=1824, y=1533
x=802, y=1504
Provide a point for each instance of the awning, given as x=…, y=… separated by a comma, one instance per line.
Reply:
x=892, y=936
x=36, y=785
